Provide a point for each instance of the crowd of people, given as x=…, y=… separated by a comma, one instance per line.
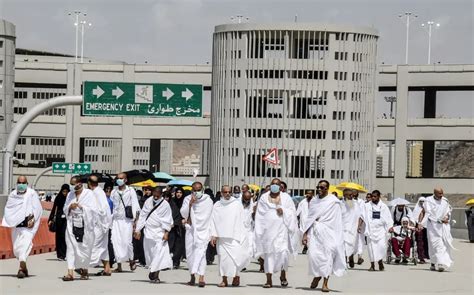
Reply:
x=161, y=227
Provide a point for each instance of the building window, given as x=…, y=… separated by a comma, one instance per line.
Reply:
x=20, y=110
x=20, y=94
x=338, y=115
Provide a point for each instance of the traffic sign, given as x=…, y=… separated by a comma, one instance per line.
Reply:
x=272, y=157
x=142, y=99
x=71, y=168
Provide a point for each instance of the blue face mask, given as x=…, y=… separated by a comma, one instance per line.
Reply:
x=21, y=187
x=274, y=188
x=120, y=182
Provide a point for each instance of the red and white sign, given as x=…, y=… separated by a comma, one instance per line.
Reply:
x=272, y=157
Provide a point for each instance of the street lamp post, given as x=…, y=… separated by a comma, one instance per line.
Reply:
x=429, y=25
x=83, y=25
x=391, y=100
x=76, y=14
x=407, y=16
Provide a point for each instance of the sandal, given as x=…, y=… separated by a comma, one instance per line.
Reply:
x=267, y=286
x=102, y=273
x=236, y=282
x=68, y=278
x=284, y=282
x=315, y=283
x=192, y=281
x=222, y=285
x=133, y=265
x=202, y=284
x=117, y=270
x=21, y=274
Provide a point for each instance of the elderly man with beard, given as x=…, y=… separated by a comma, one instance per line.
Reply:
x=228, y=234
x=438, y=212
x=350, y=214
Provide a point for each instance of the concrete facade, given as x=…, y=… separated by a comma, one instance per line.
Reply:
x=111, y=144
x=430, y=79
x=307, y=90
x=7, y=78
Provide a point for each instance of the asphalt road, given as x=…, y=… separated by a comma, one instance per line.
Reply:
x=46, y=273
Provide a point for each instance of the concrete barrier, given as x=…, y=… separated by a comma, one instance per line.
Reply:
x=43, y=242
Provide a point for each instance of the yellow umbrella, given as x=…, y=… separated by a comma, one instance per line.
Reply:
x=351, y=185
x=148, y=182
x=254, y=187
x=470, y=202
x=333, y=189
x=187, y=188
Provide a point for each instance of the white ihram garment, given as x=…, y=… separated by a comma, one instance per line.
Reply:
x=227, y=224
x=376, y=229
x=439, y=234
x=122, y=227
x=197, y=233
x=325, y=237
x=17, y=208
x=157, y=251
x=78, y=254
x=276, y=237
x=350, y=215
x=101, y=230
x=249, y=228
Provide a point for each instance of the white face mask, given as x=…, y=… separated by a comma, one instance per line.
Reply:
x=236, y=195
x=120, y=182
x=198, y=195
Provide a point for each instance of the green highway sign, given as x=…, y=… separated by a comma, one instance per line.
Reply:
x=142, y=99
x=71, y=168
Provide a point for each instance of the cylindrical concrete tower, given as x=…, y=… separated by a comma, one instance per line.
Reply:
x=7, y=80
x=307, y=90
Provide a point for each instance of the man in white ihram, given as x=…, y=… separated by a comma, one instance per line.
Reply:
x=438, y=211
x=276, y=232
x=378, y=222
x=81, y=211
x=196, y=211
x=350, y=215
x=157, y=219
x=302, y=213
x=22, y=213
x=100, y=253
x=323, y=233
x=229, y=235
x=126, y=208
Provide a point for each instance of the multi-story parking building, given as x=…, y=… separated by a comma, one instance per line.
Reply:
x=306, y=90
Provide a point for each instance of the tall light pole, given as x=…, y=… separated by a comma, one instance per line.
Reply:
x=391, y=100
x=76, y=14
x=407, y=16
x=83, y=25
x=430, y=25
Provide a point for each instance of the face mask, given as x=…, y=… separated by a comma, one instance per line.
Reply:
x=120, y=182
x=71, y=187
x=21, y=187
x=236, y=195
x=274, y=188
x=198, y=195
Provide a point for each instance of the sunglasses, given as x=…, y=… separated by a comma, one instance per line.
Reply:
x=321, y=187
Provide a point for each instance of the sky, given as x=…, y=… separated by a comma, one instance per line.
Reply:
x=180, y=31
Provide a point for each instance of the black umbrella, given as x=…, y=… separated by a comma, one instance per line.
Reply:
x=103, y=177
x=134, y=176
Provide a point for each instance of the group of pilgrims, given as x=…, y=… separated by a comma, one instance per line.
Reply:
x=242, y=226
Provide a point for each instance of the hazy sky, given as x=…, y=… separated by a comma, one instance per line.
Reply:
x=180, y=31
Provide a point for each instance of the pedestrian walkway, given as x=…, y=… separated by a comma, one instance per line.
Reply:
x=46, y=273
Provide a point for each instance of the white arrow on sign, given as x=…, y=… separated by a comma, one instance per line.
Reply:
x=117, y=92
x=167, y=93
x=187, y=94
x=98, y=92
